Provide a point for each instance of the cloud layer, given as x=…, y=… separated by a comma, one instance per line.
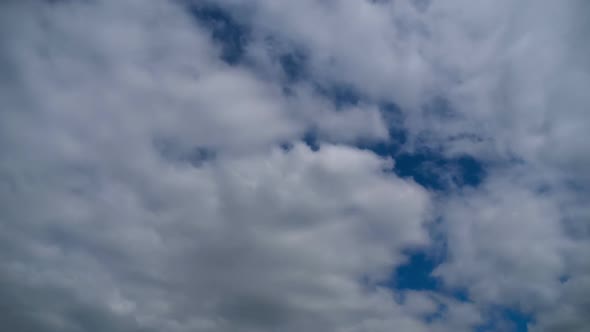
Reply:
x=154, y=176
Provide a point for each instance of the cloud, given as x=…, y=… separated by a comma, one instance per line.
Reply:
x=513, y=244
x=104, y=209
x=506, y=244
x=151, y=179
x=277, y=240
x=512, y=80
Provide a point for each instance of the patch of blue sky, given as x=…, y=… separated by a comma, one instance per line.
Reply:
x=435, y=171
x=294, y=65
x=506, y=320
x=341, y=95
x=428, y=168
x=416, y=273
x=231, y=35
x=195, y=156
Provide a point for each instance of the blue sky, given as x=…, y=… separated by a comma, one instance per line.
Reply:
x=307, y=165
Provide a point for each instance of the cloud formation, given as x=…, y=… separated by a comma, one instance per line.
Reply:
x=154, y=178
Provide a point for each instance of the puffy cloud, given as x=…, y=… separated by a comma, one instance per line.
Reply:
x=571, y=313
x=514, y=244
x=513, y=74
x=505, y=244
x=279, y=240
x=143, y=186
x=502, y=81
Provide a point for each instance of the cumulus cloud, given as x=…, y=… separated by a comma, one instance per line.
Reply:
x=514, y=74
x=106, y=209
x=279, y=240
x=148, y=183
x=512, y=79
x=500, y=236
x=514, y=244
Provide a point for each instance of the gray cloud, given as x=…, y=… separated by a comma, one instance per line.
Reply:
x=102, y=229
x=514, y=77
x=142, y=187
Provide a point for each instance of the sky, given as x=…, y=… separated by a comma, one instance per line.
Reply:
x=311, y=165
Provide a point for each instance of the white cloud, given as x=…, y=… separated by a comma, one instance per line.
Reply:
x=515, y=244
x=105, y=105
x=514, y=73
x=505, y=244
x=515, y=78
x=277, y=240
x=129, y=237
